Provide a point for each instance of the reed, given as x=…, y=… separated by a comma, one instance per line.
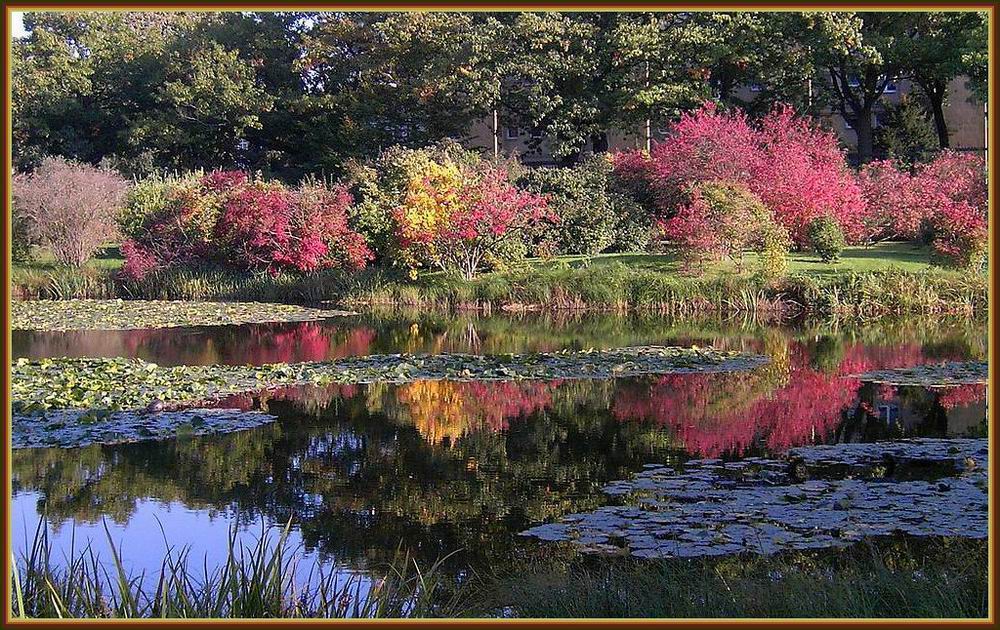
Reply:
x=259, y=580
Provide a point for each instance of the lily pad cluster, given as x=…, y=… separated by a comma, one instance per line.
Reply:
x=940, y=375
x=763, y=506
x=56, y=315
x=117, y=383
x=72, y=427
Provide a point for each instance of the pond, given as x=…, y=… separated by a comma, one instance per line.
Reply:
x=461, y=468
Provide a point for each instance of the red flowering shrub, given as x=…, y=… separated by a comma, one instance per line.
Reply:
x=797, y=170
x=952, y=189
x=227, y=219
x=892, y=207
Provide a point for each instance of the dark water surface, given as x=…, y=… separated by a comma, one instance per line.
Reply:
x=436, y=467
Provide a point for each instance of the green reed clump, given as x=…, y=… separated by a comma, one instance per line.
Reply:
x=946, y=578
x=260, y=580
x=893, y=292
x=221, y=284
x=62, y=283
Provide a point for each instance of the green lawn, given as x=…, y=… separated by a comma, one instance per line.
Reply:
x=108, y=257
x=905, y=256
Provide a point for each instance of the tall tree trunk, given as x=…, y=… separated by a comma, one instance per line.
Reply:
x=863, y=129
x=935, y=90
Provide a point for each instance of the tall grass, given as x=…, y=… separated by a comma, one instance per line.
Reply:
x=219, y=284
x=260, y=580
x=942, y=579
x=619, y=288
x=932, y=578
x=611, y=287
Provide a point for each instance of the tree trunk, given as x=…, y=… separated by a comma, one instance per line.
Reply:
x=863, y=129
x=935, y=92
x=599, y=142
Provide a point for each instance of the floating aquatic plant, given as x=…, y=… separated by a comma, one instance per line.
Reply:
x=136, y=314
x=827, y=496
x=75, y=427
x=117, y=383
x=939, y=375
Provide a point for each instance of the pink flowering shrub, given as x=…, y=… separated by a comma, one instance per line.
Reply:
x=227, y=219
x=944, y=201
x=952, y=190
x=892, y=206
x=797, y=170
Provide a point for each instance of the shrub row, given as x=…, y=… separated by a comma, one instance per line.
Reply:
x=718, y=185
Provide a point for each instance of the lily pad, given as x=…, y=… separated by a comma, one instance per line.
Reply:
x=137, y=314
x=117, y=383
x=707, y=509
x=939, y=375
x=66, y=428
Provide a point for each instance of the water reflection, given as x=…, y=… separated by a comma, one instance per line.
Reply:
x=439, y=466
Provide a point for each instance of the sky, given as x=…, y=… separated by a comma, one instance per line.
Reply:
x=17, y=23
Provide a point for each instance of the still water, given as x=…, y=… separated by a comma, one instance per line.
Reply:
x=441, y=467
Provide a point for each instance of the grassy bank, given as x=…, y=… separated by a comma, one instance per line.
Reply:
x=888, y=279
x=619, y=287
x=916, y=578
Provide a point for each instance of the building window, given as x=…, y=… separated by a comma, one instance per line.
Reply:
x=511, y=133
x=888, y=413
x=756, y=87
x=536, y=134
x=890, y=87
x=847, y=124
x=853, y=82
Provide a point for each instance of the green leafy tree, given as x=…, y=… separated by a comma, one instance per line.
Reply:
x=860, y=54
x=397, y=78
x=573, y=77
x=765, y=50
x=49, y=87
x=938, y=51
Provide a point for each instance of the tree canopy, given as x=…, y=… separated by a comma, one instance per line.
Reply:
x=291, y=93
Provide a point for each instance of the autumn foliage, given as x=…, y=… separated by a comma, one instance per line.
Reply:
x=796, y=169
x=943, y=201
x=226, y=218
x=463, y=217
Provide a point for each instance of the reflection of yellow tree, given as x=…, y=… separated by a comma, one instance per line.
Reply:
x=438, y=410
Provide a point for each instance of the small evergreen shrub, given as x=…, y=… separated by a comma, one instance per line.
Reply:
x=826, y=239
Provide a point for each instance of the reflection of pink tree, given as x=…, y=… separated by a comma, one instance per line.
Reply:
x=499, y=402
x=308, y=341
x=962, y=396
x=719, y=413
